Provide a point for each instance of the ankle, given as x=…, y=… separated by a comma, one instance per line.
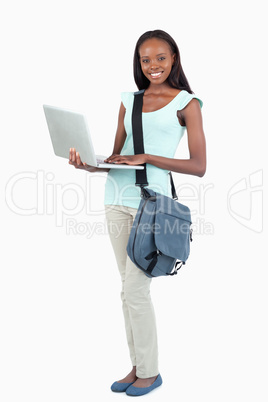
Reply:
x=145, y=382
x=130, y=377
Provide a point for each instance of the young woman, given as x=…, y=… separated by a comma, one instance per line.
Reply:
x=169, y=107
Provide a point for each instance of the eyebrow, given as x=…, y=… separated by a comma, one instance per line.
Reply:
x=156, y=55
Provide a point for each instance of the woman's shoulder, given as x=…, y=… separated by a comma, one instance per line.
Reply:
x=127, y=98
x=184, y=97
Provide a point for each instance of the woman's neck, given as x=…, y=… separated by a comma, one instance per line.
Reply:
x=159, y=90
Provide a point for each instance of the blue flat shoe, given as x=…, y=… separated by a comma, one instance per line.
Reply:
x=120, y=386
x=136, y=391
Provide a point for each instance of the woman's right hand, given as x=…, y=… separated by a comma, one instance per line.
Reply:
x=75, y=160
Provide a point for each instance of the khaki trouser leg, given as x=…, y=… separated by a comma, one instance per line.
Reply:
x=136, y=300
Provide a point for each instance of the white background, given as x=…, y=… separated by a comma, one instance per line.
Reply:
x=62, y=332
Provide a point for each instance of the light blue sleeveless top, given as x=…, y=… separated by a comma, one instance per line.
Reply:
x=162, y=133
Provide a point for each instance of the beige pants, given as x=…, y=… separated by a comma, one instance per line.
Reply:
x=137, y=305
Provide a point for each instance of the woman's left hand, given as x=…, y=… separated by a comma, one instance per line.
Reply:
x=127, y=159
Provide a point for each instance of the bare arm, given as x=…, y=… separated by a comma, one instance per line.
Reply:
x=120, y=135
x=196, y=164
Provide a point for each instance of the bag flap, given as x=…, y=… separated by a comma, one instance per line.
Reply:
x=172, y=228
x=171, y=207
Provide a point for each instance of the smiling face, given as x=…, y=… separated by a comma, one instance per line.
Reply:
x=156, y=60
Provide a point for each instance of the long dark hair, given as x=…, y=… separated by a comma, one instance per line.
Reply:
x=176, y=78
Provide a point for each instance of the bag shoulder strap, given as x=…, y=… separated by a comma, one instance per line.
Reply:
x=137, y=132
x=141, y=175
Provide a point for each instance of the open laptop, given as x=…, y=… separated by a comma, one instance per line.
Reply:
x=69, y=129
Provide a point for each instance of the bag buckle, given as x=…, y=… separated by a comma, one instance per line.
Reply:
x=146, y=195
x=177, y=266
